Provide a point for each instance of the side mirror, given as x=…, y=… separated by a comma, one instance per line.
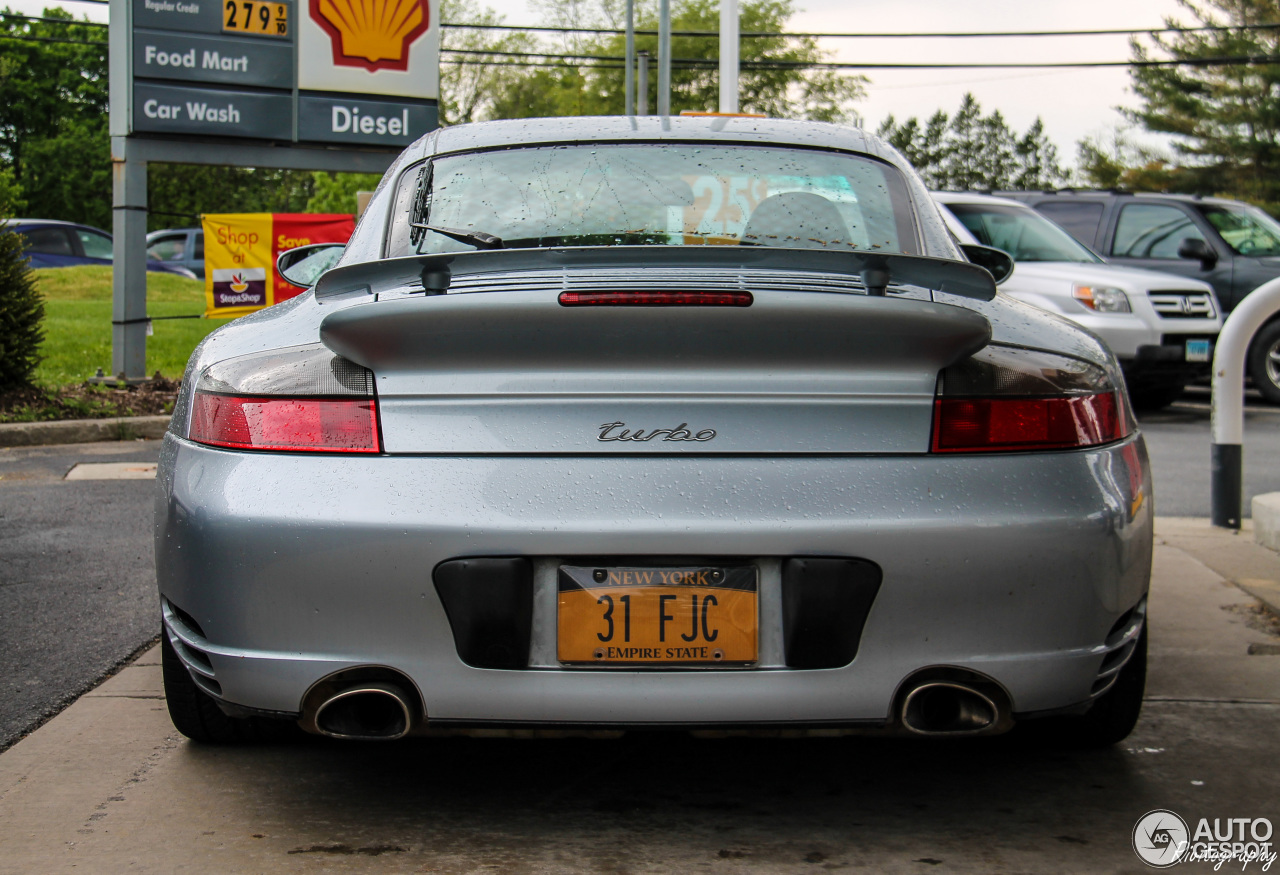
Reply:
x=998, y=262
x=304, y=265
x=1194, y=247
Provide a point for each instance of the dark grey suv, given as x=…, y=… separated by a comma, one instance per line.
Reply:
x=1231, y=245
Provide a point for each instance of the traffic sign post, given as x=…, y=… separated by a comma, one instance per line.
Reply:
x=336, y=85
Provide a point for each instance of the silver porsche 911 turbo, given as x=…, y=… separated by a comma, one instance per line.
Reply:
x=625, y=423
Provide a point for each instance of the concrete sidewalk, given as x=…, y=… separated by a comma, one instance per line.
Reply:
x=109, y=786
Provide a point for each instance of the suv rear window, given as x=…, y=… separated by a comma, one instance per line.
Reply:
x=672, y=194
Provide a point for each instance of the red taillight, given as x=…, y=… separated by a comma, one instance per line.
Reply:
x=317, y=425
x=657, y=299
x=970, y=425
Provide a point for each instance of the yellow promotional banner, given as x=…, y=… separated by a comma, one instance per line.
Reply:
x=240, y=251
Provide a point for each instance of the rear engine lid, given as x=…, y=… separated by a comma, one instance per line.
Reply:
x=519, y=372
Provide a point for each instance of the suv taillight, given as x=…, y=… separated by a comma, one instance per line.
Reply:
x=1006, y=399
x=304, y=399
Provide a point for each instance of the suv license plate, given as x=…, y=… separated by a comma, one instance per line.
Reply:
x=1198, y=350
x=657, y=615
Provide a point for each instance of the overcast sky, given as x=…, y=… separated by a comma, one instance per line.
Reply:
x=1073, y=103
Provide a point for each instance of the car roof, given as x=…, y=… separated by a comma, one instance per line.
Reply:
x=151, y=234
x=964, y=197
x=8, y=222
x=1137, y=195
x=730, y=129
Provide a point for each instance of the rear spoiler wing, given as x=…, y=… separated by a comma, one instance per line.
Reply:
x=869, y=271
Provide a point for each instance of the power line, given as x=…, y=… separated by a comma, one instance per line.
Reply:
x=19, y=15
x=775, y=34
x=46, y=39
x=881, y=35
x=1225, y=61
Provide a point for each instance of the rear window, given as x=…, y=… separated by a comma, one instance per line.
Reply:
x=652, y=194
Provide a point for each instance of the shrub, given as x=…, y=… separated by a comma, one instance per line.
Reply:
x=21, y=312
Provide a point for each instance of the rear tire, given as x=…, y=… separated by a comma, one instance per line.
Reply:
x=1113, y=715
x=197, y=716
x=1264, y=362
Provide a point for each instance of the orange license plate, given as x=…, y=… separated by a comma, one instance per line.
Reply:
x=657, y=615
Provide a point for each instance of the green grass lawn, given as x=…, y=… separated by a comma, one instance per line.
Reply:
x=77, y=323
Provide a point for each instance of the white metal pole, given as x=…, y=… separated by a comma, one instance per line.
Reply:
x=642, y=86
x=664, y=57
x=628, y=83
x=729, y=55
x=1227, y=420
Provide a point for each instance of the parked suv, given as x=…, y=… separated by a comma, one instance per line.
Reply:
x=1162, y=327
x=1231, y=245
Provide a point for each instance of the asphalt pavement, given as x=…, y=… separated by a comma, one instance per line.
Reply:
x=1178, y=442
x=77, y=576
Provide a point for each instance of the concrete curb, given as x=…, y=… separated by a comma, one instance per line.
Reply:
x=82, y=431
x=1266, y=520
x=1237, y=556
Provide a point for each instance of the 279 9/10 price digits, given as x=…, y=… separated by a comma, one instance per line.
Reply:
x=256, y=18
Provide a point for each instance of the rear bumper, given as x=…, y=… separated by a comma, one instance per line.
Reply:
x=295, y=567
x=1167, y=360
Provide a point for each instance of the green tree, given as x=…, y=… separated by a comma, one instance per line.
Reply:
x=470, y=83
x=966, y=141
x=11, y=200
x=1225, y=119
x=1037, y=160
x=21, y=312
x=177, y=194
x=778, y=88
x=1114, y=159
x=968, y=150
x=336, y=192
x=53, y=115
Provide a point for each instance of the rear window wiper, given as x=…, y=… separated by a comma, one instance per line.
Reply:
x=478, y=239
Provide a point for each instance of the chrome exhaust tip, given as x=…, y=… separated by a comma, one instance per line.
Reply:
x=946, y=708
x=365, y=712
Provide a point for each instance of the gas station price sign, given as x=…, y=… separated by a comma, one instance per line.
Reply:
x=256, y=18
x=361, y=73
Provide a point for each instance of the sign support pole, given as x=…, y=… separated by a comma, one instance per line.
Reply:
x=628, y=84
x=664, y=57
x=642, y=86
x=129, y=264
x=728, y=56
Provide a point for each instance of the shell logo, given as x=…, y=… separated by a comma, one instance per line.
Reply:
x=373, y=34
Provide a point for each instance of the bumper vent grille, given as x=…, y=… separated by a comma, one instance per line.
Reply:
x=187, y=639
x=1121, y=641
x=745, y=280
x=1183, y=305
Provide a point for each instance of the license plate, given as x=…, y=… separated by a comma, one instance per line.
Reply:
x=1197, y=350
x=657, y=615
